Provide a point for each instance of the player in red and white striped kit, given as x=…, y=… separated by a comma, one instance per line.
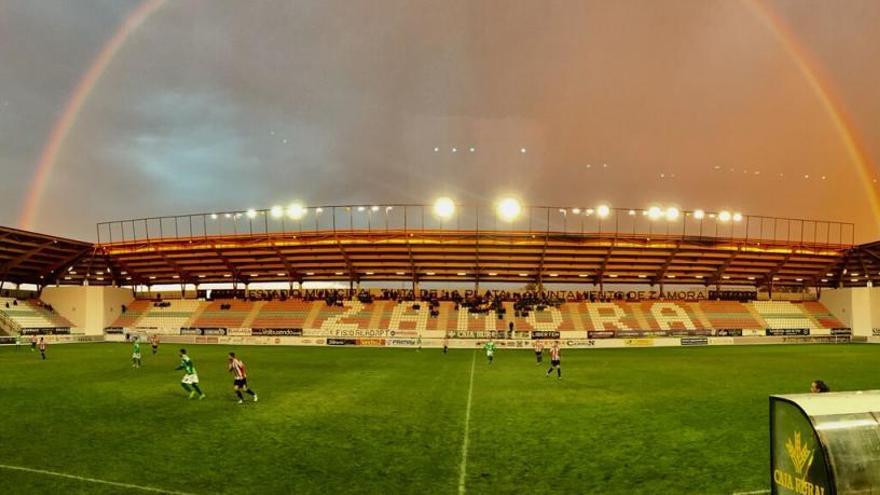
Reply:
x=555, y=360
x=239, y=373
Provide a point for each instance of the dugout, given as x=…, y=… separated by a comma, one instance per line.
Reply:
x=825, y=444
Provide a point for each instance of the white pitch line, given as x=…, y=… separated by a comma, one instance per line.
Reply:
x=92, y=480
x=753, y=492
x=467, y=425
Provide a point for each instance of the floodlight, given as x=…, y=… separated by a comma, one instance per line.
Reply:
x=296, y=211
x=277, y=211
x=724, y=216
x=655, y=212
x=602, y=211
x=508, y=209
x=699, y=214
x=444, y=208
x=672, y=213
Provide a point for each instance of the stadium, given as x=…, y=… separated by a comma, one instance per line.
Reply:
x=484, y=321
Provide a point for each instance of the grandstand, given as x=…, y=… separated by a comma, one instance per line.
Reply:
x=706, y=276
x=571, y=319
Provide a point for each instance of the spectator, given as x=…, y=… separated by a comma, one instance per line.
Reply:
x=819, y=387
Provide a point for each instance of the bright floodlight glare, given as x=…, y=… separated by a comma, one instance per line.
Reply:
x=296, y=211
x=654, y=212
x=576, y=211
x=724, y=216
x=699, y=214
x=213, y=216
x=444, y=208
x=508, y=209
x=602, y=211
x=276, y=211
x=672, y=213
x=375, y=208
x=737, y=217
x=252, y=213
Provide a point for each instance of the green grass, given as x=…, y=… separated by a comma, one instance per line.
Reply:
x=359, y=420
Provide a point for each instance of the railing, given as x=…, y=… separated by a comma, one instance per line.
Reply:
x=9, y=325
x=583, y=221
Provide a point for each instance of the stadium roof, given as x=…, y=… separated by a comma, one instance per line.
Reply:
x=27, y=257
x=400, y=243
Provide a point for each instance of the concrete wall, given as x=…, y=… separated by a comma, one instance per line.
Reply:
x=89, y=309
x=857, y=307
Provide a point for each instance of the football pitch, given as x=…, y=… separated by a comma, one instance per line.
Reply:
x=363, y=420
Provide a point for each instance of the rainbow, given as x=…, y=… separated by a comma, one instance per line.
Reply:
x=820, y=85
x=74, y=105
x=809, y=69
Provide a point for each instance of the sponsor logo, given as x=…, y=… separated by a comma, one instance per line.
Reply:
x=289, y=332
x=341, y=342
x=45, y=331
x=601, y=334
x=801, y=456
x=378, y=342
x=540, y=334
x=639, y=342
x=190, y=331
x=580, y=343
x=841, y=331
x=875, y=332
x=403, y=342
x=213, y=331
x=113, y=330
x=729, y=332
x=776, y=332
x=694, y=341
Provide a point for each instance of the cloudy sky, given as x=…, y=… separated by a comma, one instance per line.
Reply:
x=223, y=104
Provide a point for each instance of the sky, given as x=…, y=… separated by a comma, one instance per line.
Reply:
x=225, y=105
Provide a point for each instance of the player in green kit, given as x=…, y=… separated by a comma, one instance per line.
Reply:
x=136, y=353
x=490, y=350
x=190, y=381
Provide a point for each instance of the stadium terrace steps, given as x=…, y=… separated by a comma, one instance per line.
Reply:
x=782, y=314
x=821, y=315
x=177, y=314
x=729, y=314
x=30, y=314
x=570, y=319
x=214, y=317
x=282, y=314
x=133, y=313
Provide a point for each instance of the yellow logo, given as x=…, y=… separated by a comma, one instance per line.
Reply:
x=801, y=456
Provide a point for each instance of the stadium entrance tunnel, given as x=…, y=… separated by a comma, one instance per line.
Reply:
x=825, y=444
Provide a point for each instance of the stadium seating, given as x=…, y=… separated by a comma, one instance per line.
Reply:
x=30, y=314
x=176, y=314
x=291, y=313
x=821, y=314
x=729, y=314
x=133, y=313
x=570, y=319
x=213, y=316
x=783, y=314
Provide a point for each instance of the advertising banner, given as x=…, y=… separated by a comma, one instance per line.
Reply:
x=787, y=331
x=45, y=331
x=600, y=334
x=797, y=459
x=694, y=341
x=539, y=334
x=729, y=332
x=332, y=341
x=289, y=332
x=841, y=331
